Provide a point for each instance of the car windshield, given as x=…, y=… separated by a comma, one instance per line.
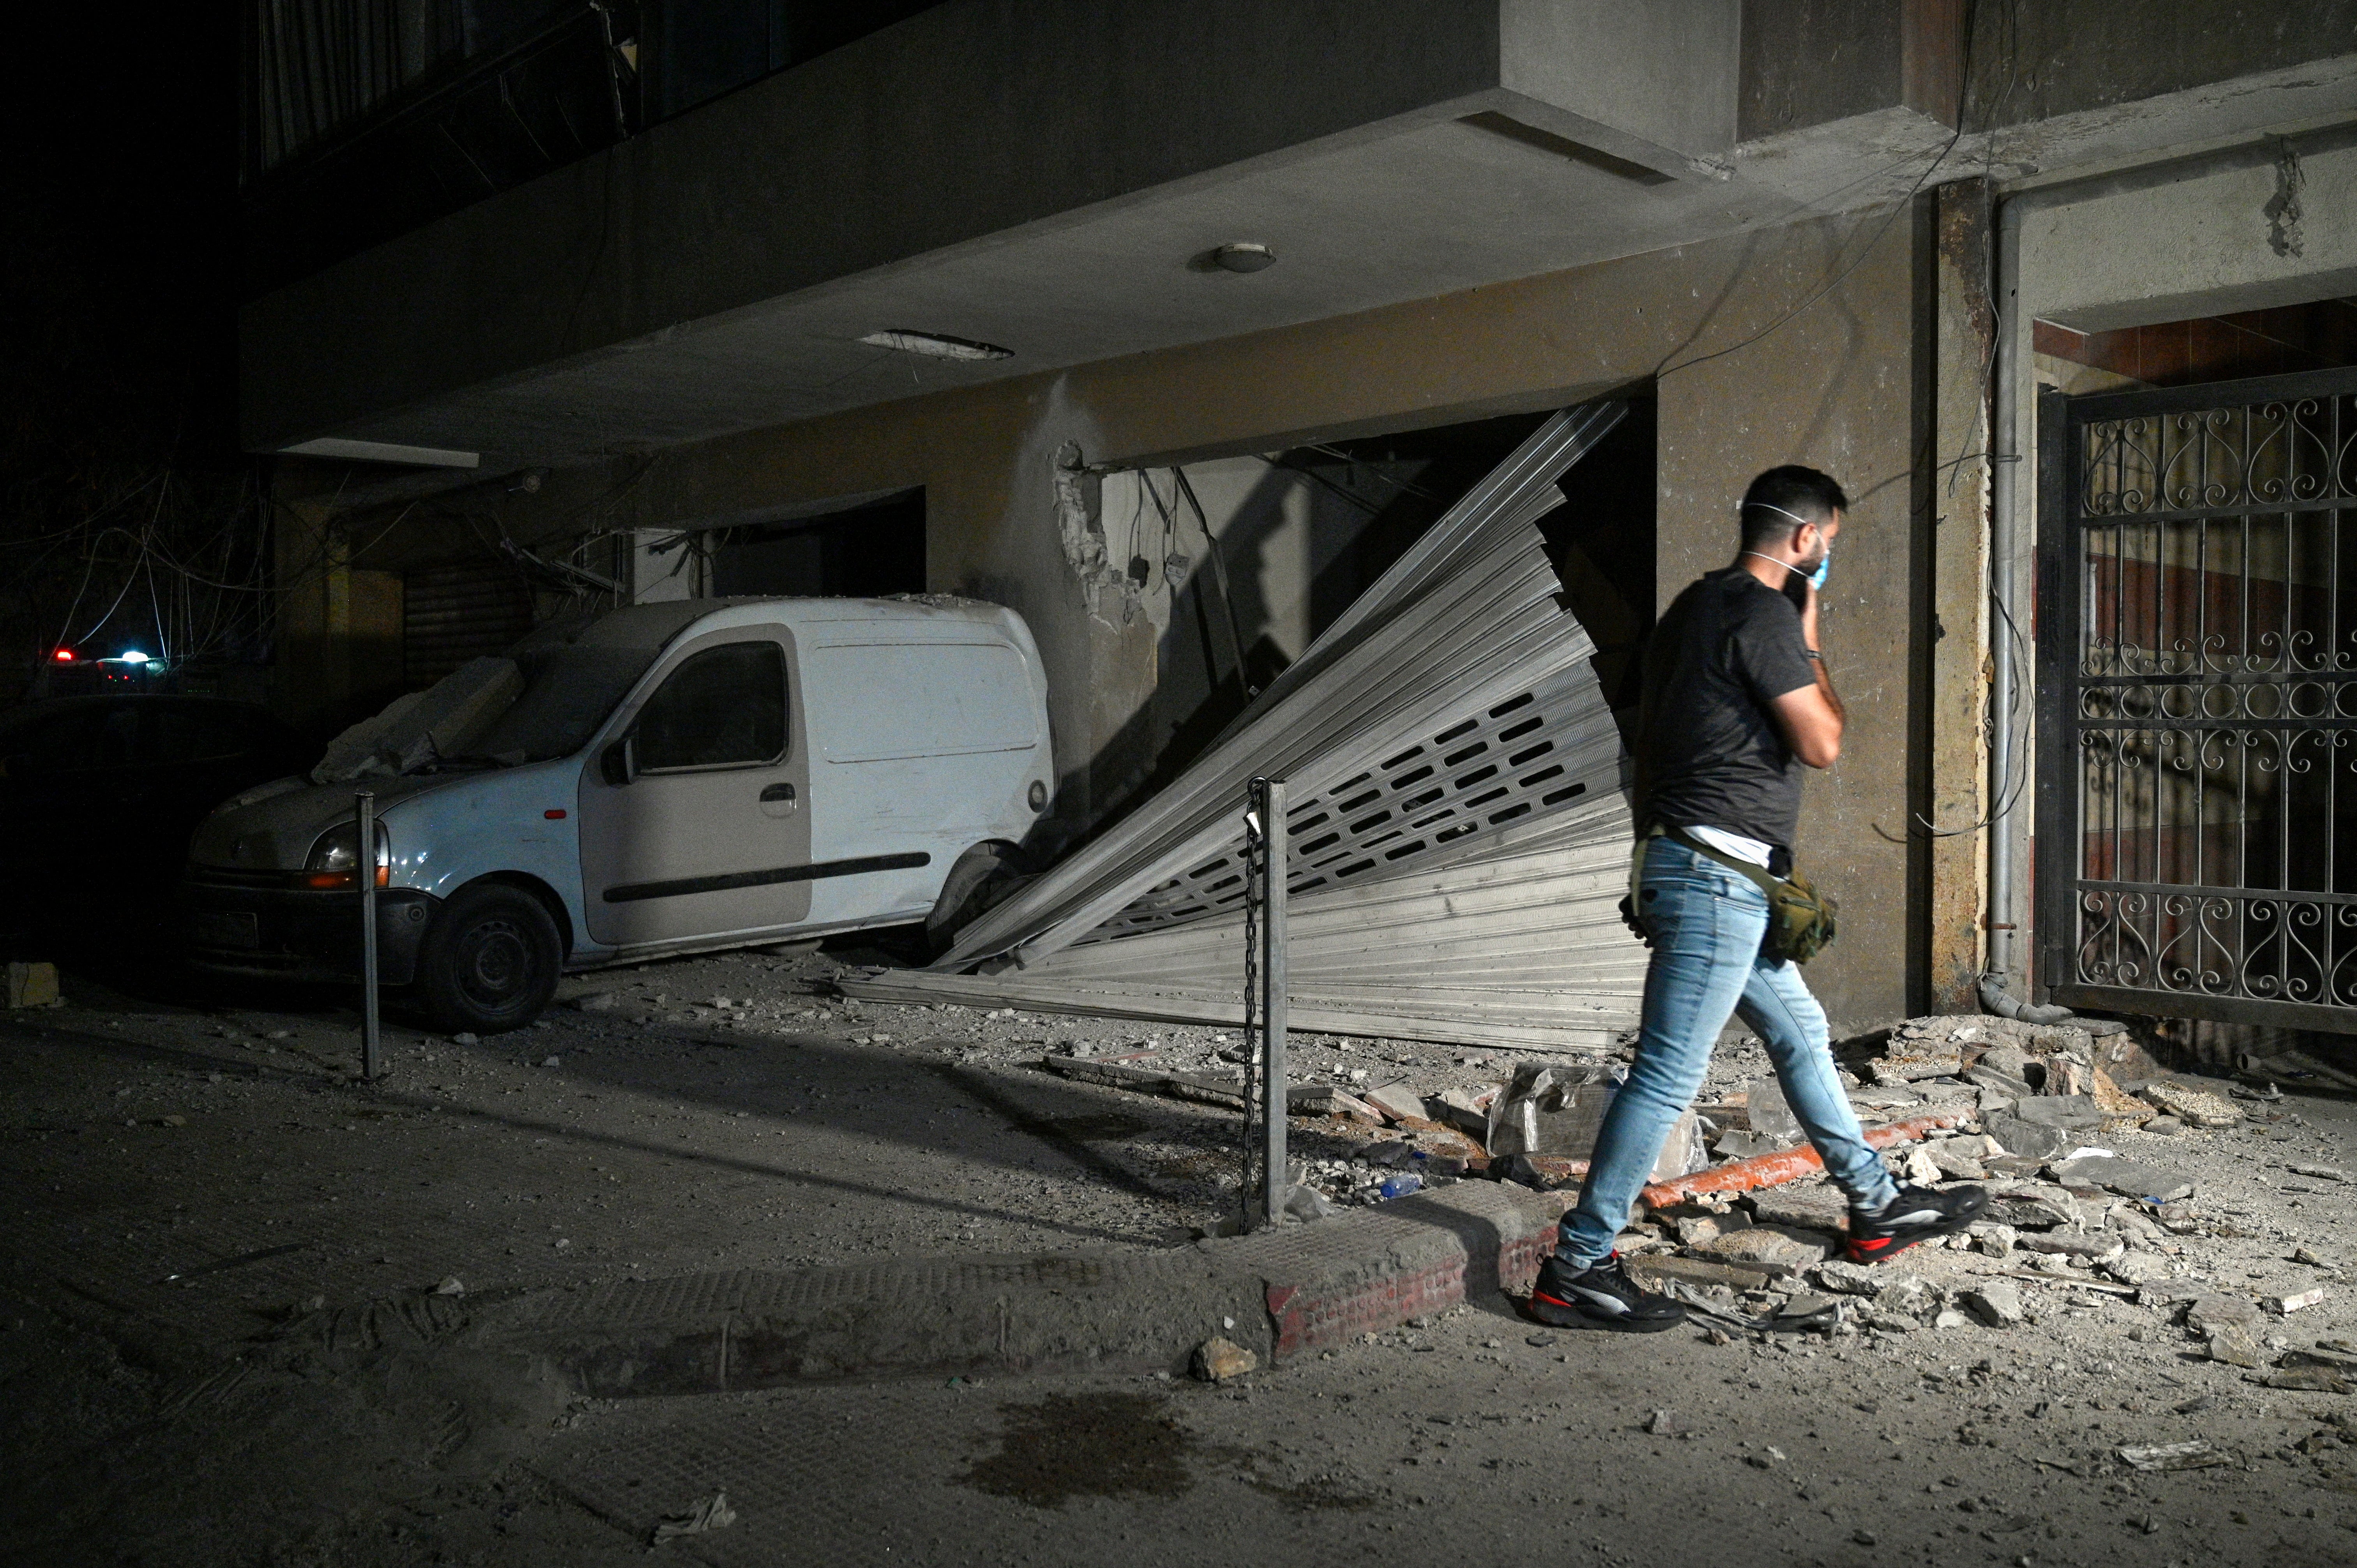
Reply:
x=575, y=674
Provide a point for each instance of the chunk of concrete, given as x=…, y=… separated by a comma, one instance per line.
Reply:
x=1992, y=1239
x=1918, y=1168
x=2235, y=1344
x=1220, y=1361
x=2130, y=1178
x=2097, y=1247
x=1467, y=1110
x=2195, y=1107
x=32, y=985
x=1766, y=1109
x=1395, y=1100
x=1783, y=1248
x=1738, y=1144
x=1919, y=1063
x=1327, y=1100
x=2139, y=1268
x=2037, y=1140
x=1956, y=1159
x=443, y=720
x=1818, y=1206
x=2026, y=1208
x=2015, y=1063
x=1703, y=1227
x=1995, y=1303
x=2207, y=1312
x=1910, y=1294
x=1701, y=1272
x=2068, y=1111
x=1850, y=1279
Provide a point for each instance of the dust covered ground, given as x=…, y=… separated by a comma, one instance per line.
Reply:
x=648, y=1129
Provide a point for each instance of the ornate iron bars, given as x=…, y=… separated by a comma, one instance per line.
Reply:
x=2198, y=723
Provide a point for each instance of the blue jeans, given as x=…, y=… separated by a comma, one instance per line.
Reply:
x=1706, y=922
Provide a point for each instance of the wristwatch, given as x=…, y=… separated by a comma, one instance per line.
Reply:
x=1813, y=654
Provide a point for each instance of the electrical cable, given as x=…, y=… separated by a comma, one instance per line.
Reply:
x=1662, y=371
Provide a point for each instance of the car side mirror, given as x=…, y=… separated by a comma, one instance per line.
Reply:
x=620, y=761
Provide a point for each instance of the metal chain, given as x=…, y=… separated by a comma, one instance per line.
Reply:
x=1254, y=876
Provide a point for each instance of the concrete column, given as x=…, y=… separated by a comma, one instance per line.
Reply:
x=1830, y=387
x=1956, y=495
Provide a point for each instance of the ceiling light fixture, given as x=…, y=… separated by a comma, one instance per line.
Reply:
x=938, y=346
x=1243, y=258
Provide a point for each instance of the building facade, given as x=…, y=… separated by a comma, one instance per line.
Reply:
x=1167, y=325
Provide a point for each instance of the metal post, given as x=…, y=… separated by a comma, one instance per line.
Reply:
x=1269, y=799
x=364, y=872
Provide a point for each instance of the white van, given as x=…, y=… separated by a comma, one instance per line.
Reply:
x=666, y=779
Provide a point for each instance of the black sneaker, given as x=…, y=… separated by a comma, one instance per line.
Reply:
x=1601, y=1297
x=1917, y=1214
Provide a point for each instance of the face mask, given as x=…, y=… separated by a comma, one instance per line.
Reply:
x=1817, y=574
x=1816, y=577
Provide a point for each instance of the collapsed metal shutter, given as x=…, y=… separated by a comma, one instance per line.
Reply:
x=1463, y=840
x=452, y=614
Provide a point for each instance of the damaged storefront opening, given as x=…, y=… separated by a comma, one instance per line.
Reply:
x=1478, y=777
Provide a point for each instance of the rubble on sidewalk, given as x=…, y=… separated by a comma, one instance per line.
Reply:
x=1219, y=1360
x=2050, y=1121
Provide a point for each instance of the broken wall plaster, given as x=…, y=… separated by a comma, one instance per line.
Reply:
x=2283, y=208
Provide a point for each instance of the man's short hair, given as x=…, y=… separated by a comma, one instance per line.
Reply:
x=1781, y=500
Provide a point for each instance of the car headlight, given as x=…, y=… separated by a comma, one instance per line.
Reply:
x=337, y=856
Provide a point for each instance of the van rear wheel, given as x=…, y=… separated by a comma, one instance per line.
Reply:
x=489, y=960
x=981, y=879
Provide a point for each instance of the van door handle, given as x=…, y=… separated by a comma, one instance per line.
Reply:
x=778, y=800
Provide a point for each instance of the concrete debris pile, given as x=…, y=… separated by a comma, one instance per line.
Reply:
x=443, y=720
x=1459, y=840
x=2121, y=1196
x=2147, y=1236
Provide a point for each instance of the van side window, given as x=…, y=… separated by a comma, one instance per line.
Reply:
x=724, y=705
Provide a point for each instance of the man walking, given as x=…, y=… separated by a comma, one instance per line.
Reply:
x=1737, y=700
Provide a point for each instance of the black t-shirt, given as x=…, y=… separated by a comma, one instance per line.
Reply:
x=1710, y=752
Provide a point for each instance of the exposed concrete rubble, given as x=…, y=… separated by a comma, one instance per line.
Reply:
x=415, y=728
x=2106, y=1193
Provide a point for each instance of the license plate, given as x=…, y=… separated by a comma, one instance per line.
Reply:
x=232, y=928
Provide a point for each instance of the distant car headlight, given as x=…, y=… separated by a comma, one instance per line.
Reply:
x=336, y=857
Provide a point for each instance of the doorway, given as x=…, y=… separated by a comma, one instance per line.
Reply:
x=1259, y=553
x=861, y=552
x=2196, y=846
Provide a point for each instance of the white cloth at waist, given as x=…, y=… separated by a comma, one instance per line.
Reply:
x=1736, y=844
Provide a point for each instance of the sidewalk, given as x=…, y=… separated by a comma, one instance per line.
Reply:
x=301, y=1377
x=783, y=1209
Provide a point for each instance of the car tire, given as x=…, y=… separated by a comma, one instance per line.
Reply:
x=489, y=961
x=983, y=878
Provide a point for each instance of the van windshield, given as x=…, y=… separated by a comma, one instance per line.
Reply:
x=567, y=692
x=574, y=674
